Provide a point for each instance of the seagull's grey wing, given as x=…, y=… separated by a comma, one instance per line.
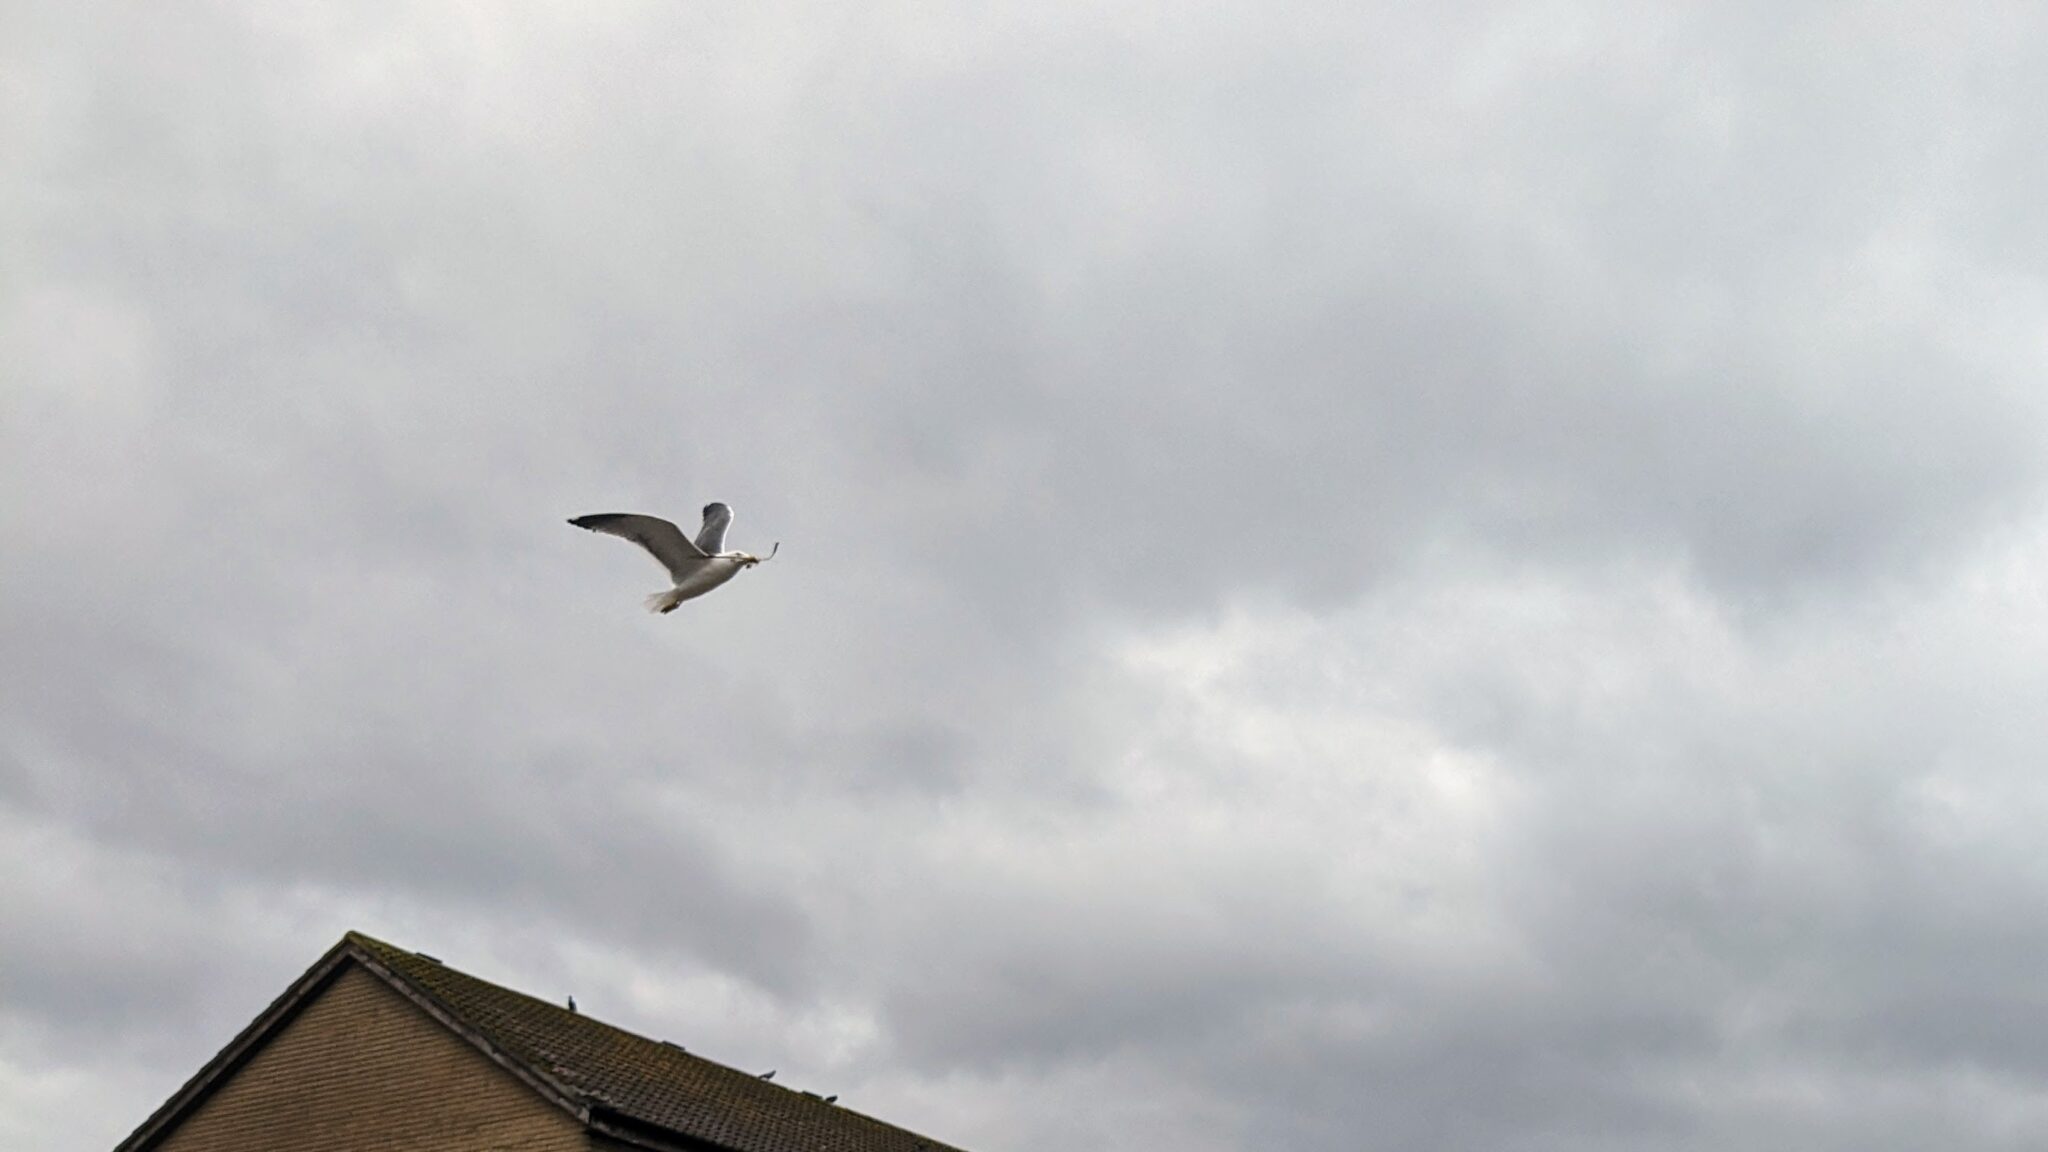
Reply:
x=711, y=537
x=663, y=539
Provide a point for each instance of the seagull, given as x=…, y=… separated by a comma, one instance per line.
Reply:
x=697, y=565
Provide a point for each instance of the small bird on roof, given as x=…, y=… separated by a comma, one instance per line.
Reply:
x=697, y=566
x=768, y=1075
x=572, y=1003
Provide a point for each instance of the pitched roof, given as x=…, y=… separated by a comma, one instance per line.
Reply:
x=645, y=1091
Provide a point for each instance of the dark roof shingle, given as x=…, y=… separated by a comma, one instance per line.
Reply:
x=647, y=1082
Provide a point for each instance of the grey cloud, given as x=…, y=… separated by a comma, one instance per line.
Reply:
x=1437, y=579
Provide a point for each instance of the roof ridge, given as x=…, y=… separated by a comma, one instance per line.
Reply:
x=444, y=966
x=648, y=1093
x=582, y=1019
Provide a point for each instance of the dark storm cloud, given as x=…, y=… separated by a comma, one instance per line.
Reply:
x=1454, y=577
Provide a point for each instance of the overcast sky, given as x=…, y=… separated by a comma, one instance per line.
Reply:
x=1439, y=576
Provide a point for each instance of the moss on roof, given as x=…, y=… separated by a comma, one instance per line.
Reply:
x=648, y=1082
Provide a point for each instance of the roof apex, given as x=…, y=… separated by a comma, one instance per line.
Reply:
x=650, y=1093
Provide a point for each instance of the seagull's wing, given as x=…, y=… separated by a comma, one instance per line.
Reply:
x=663, y=539
x=711, y=537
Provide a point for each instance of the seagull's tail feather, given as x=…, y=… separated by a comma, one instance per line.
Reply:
x=665, y=602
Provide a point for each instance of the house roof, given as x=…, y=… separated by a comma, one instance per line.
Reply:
x=627, y=1086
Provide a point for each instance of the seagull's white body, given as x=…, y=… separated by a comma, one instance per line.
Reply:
x=710, y=574
x=697, y=566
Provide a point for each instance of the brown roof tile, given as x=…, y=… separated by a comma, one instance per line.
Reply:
x=646, y=1083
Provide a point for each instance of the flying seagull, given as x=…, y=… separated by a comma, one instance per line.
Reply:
x=697, y=565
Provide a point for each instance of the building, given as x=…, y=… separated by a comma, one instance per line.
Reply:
x=376, y=1049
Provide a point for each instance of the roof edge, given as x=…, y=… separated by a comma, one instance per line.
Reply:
x=595, y=1116
x=556, y=1093
x=238, y=1050
x=361, y=950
